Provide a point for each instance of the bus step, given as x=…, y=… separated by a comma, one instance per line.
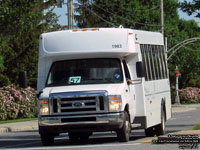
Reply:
x=135, y=125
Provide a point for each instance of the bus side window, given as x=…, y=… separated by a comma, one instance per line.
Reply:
x=127, y=74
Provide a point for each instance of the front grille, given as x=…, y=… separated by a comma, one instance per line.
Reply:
x=79, y=103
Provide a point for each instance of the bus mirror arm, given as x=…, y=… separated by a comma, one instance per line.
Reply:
x=38, y=94
x=139, y=81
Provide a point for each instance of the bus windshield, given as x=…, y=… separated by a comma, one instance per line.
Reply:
x=85, y=71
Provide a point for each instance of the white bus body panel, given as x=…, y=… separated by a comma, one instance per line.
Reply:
x=108, y=43
x=151, y=93
x=65, y=45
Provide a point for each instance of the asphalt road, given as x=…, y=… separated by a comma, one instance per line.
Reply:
x=181, y=120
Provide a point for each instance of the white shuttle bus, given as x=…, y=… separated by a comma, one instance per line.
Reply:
x=106, y=79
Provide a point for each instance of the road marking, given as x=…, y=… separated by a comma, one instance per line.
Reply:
x=148, y=141
x=75, y=147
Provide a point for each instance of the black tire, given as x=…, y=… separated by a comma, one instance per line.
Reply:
x=123, y=134
x=85, y=136
x=47, y=139
x=160, y=128
x=73, y=136
x=149, y=132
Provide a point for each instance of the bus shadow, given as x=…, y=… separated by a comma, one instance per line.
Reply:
x=33, y=141
x=96, y=139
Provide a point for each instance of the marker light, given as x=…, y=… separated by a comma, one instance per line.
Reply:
x=76, y=30
x=44, y=102
x=115, y=102
x=94, y=29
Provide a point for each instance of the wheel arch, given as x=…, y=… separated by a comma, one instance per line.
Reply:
x=126, y=108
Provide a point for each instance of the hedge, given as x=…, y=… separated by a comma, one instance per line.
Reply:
x=16, y=103
x=189, y=95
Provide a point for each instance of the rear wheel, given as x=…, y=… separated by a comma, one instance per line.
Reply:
x=123, y=134
x=47, y=139
x=160, y=128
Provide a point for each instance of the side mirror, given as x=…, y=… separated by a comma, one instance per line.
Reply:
x=23, y=79
x=140, y=70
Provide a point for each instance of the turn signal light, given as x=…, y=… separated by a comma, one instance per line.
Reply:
x=44, y=102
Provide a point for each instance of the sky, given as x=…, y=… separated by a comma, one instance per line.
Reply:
x=63, y=17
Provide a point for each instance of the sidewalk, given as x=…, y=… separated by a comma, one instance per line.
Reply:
x=184, y=108
x=19, y=126
x=33, y=125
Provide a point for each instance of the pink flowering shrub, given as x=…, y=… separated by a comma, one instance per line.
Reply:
x=17, y=102
x=188, y=95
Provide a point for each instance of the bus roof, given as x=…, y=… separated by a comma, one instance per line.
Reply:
x=101, y=42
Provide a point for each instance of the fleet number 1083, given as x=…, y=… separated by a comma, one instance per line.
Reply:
x=117, y=46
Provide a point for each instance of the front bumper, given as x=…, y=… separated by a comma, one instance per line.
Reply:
x=78, y=123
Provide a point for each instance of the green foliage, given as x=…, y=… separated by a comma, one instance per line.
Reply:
x=21, y=24
x=4, y=80
x=17, y=120
x=1, y=64
x=145, y=15
x=194, y=82
x=130, y=13
x=23, y=21
x=17, y=103
x=186, y=58
x=191, y=7
x=196, y=127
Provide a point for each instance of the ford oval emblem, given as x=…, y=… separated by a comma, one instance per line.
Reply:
x=78, y=104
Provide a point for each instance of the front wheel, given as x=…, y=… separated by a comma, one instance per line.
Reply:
x=123, y=134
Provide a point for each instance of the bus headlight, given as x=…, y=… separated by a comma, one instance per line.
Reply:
x=44, y=107
x=115, y=102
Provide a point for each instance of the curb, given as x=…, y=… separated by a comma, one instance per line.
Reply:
x=4, y=130
x=15, y=129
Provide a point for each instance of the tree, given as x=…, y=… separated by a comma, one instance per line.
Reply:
x=130, y=13
x=191, y=7
x=188, y=57
x=21, y=24
x=145, y=15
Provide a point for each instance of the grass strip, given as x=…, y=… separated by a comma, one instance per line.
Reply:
x=196, y=127
x=17, y=120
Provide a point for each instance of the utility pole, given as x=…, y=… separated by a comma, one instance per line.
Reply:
x=177, y=99
x=162, y=17
x=70, y=14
